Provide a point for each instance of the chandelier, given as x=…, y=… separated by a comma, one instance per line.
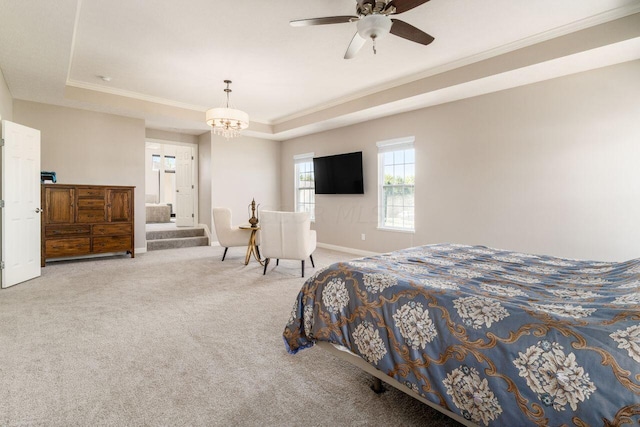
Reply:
x=225, y=121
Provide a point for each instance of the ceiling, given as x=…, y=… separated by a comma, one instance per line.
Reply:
x=166, y=60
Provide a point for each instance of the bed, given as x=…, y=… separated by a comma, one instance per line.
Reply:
x=488, y=336
x=157, y=213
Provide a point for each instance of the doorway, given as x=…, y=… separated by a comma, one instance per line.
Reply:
x=170, y=183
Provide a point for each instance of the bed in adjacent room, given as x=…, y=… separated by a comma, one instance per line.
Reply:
x=157, y=213
x=488, y=336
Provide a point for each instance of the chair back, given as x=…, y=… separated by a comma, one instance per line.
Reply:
x=222, y=225
x=286, y=235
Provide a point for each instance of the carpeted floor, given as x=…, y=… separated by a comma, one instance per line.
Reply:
x=172, y=338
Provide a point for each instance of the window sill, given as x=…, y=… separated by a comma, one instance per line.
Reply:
x=397, y=230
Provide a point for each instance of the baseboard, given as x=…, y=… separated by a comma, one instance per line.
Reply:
x=347, y=250
x=101, y=255
x=333, y=248
x=207, y=232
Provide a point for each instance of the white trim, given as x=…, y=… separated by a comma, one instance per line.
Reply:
x=73, y=39
x=207, y=232
x=134, y=95
x=347, y=250
x=170, y=142
x=301, y=158
x=195, y=172
x=100, y=255
x=396, y=144
x=397, y=230
x=572, y=27
x=387, y=146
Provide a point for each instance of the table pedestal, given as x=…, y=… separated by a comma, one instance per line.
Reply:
x=252, y=248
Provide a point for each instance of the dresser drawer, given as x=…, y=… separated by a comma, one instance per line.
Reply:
x=67, y=247
x=111, y=244
x=112, y=229
x=91, y=215
x=90, y=203
x=91, y=193
x=66, y=230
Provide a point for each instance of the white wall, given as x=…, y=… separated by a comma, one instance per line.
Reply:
x=551, y=168
x=242, y=169
x=84, y=147
x=6, y=100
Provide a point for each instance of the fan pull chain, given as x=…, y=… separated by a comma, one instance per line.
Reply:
x=374, y=44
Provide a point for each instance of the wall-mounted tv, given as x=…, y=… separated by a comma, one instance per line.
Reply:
x=339, y=174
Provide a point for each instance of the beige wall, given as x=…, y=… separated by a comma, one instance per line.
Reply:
x=84, y=147
x=242, y=169
x=204, y=179
x=6, y=100
x=171, y=136
x=546, y=168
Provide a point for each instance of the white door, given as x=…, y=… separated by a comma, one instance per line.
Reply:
x=20, y=191
x=184, y=187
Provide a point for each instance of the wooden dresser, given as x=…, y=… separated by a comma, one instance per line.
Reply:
x=86, y=220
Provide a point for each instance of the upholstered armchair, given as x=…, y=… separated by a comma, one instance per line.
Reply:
x=229, y=236
x=286, y=235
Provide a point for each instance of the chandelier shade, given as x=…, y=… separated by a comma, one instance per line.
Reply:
x=225, y=121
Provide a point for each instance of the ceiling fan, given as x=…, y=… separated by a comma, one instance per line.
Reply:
x=373, y=22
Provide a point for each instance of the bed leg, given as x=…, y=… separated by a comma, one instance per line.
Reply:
x=377, y=386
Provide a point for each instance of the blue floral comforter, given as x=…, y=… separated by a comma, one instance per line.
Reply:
x=499, y=337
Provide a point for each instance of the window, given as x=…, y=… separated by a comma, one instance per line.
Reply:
x=155, y=162
x=304, y=184
x=396, y=182
x=170, y=164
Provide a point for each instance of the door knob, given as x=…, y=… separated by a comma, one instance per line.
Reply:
x=37, y=210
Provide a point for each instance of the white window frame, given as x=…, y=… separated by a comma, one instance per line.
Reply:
x=391, y=145
x=298, y=160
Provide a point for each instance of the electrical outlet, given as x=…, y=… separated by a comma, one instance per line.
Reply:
x=363, y=237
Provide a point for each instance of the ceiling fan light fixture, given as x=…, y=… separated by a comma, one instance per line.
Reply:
x=225, y=121
x=374, y=26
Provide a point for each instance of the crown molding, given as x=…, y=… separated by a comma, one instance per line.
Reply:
x=592, y=21
x=134, y=95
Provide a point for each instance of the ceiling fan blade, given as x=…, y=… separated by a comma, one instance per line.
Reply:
x=405, y=5
x=356, y=44
x=406, y=31
x=323, y=21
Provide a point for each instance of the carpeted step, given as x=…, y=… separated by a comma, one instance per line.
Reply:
x=173, y=234
x=177, y=242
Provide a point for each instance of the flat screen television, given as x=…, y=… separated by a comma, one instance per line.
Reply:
x=338, y=174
